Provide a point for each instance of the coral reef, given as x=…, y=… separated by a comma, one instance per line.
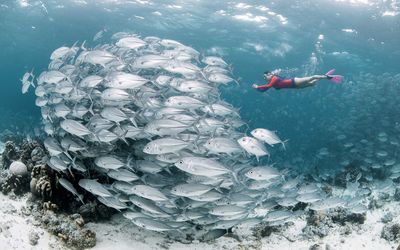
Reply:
x=24, y=169
x=9, y=155
x=391, y=232
x=93, y=211
x=68, y=228
x=320, y=223
x=18, y=168
x=17, y=162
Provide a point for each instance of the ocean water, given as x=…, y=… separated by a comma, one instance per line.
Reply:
x=359, y=38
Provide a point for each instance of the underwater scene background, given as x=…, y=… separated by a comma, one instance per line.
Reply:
x=360, y=39
x=110, y=149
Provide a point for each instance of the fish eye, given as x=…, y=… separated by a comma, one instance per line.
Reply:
x=180, y=162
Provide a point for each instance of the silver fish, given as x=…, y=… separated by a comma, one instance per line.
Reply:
x=74, y=128
x=68, y=185
x=164, y=146
x=148, y=193
x=108, y=162
x=201, y=166
x=94, y=187
x=253, y=146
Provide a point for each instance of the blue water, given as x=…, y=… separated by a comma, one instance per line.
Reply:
x=359, y=38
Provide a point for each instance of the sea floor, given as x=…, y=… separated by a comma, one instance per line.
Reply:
x=20, y=231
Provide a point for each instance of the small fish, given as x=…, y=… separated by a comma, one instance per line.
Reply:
x=121, y=80
x=188, y=190
x=113, y=202
x=68, y=185
x=253, y=146
x=263, y=173
x=148, y=193
x=74, y=128
x=151, y=224
x=267, y=136
x=130, y=42
x=201, y=166
x=122, y=175
x=108, y=162
x=222, y=145
x=53, y=146
x=164, y=146
x=94, y=187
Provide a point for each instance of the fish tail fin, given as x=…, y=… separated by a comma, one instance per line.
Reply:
x=133, y=121
x=80, y=197
x=230, y=68
x=203, y=74
x=218, y=187
x=235, y=178
x=283, y=143
x=122, y=138
x=91, y=106
x=237, y=81
x=168, y=171
x=74, y=45
x=83, y=46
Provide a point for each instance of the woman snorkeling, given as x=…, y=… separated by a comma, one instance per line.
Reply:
x=279, y=82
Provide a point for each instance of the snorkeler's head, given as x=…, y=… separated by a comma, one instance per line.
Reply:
x=267, y=74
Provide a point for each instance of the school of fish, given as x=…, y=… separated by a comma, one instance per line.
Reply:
x=144, y=115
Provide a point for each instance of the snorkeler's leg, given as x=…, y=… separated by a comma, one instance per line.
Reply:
x=320, y=77
x=302, y=82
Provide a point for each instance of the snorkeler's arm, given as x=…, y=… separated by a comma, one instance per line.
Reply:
x=267, y=86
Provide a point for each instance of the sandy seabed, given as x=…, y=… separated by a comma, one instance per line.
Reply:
x=21, y=231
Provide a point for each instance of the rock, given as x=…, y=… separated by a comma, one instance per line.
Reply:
x=341, y=216
x=316, y=247
x=376, y=203
x=15, y=184
x=391, y=232
x=328, y=247
x=32, y=186
x=94, y=211
x=312, y=231
x=265, y=230
x=9, y=209
x=387, y=218
x=397, y=195
x=33, y=238
x=10, y=154
x=18, y=168
x=66, y=228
